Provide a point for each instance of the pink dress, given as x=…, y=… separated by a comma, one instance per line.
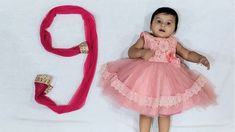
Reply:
x=159, y=86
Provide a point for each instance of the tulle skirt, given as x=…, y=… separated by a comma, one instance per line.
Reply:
x=155, y=88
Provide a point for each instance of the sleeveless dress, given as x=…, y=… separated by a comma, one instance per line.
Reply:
x=159, y=86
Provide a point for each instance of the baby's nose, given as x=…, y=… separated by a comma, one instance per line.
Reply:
x=163, y=25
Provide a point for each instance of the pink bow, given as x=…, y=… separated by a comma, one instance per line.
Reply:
x=172, y=58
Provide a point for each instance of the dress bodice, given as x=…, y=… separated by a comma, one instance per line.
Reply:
x=165, y=48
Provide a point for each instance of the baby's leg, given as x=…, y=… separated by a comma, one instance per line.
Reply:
x=164, y=123
x=145, y=123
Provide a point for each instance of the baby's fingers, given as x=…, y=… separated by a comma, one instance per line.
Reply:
x=205, y=62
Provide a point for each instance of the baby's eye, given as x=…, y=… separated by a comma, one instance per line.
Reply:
x=159, y=21
x=168, y=23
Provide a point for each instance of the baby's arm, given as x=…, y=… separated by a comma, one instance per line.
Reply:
x=192, y=56
x=137, y=50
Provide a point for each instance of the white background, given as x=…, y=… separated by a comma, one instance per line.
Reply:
x=205, y=26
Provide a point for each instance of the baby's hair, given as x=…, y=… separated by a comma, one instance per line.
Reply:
x=166, y=10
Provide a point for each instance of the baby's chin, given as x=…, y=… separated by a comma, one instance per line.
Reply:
x=161, y=35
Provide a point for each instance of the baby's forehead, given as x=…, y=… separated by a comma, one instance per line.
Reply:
x=164, y=16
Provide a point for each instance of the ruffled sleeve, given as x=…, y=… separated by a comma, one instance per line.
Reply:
x=145, y=37
x=142, y=34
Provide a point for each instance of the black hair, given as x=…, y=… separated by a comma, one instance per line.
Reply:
x=166, y=10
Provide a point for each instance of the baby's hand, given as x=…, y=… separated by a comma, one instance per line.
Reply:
x=147, y=53
x=205, y=62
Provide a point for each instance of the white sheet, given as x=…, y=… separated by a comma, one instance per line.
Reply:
x=205, y=26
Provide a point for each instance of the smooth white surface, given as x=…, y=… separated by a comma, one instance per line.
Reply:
x=205, y=26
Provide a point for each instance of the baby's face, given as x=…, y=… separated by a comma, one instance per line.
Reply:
x=163, y=25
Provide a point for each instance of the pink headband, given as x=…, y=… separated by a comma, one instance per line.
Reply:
x=42, y=82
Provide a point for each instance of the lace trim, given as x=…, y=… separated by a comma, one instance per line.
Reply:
x=165, y=101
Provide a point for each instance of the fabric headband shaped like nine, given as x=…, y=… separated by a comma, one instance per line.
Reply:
x=90, y=46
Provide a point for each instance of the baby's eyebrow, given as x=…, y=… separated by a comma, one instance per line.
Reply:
x=170, y=20
x=157, y=17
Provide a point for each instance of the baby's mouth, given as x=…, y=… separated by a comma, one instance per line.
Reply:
x=161, y=30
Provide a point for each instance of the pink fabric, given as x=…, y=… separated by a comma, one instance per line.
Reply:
x=79, y=98
x=159, y=86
